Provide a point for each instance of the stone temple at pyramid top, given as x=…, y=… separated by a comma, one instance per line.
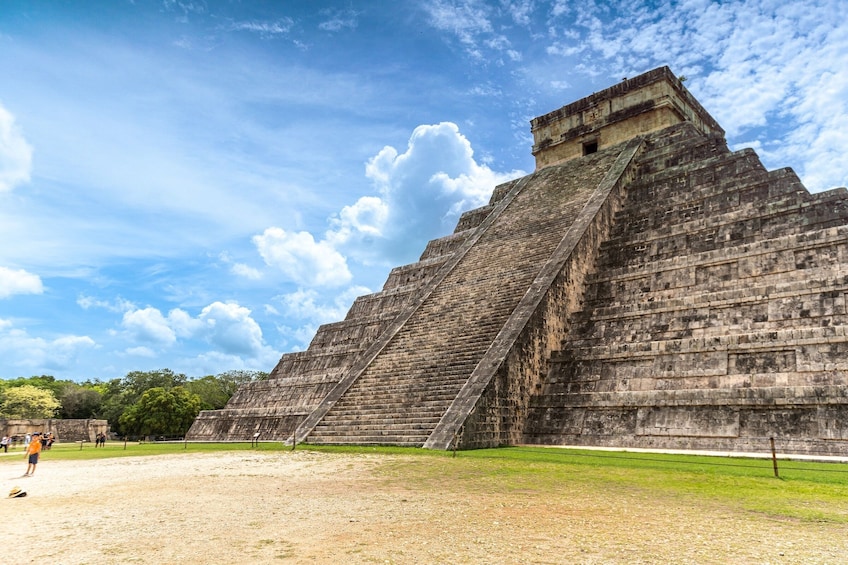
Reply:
x=650, y=102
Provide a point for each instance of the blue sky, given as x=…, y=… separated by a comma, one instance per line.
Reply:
x=198, y=185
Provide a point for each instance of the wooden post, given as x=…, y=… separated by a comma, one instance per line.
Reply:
x=774, y=457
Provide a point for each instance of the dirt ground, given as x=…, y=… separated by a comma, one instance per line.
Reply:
x=307, y=507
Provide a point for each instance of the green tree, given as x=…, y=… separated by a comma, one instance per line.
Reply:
x=161, y=411
x=212, y=395
x=46, y=382
x=215, y=391
x=135, y=383
x=120, y=394
x=27, y=401
x=79, y=401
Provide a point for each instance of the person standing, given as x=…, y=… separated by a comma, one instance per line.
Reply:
x=33, y=450
x=5, y=443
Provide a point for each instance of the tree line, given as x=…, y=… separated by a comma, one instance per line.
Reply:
x=142, y=403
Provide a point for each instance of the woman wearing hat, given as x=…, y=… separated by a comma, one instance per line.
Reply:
x=33, y=451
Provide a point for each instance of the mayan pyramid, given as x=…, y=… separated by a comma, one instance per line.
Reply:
x=644, y=287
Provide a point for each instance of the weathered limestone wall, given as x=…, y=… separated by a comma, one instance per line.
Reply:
x=648, y=103
x=716, y=318
x=62, y=430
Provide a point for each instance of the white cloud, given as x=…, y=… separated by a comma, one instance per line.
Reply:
x=468, y=20
x=422, y=193
x=305, y=304
x=19, y=282
x=182, y=323
x=302, y=259
x=37, y=354
x=15, y=153
x=520, y=11
x=119, y=305
x=751, y=64
x=148, y=324
x=339, y=19
x=312, y=309
x=140, y=351
x=425, y=189
x=228, y=327
x=266, y=29
x=246, y=271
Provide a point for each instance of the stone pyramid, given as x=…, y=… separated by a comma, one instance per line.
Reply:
x=644, y=287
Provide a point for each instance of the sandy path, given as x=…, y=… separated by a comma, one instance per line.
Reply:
x=305, y=507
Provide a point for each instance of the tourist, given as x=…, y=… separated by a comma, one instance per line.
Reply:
x=33, y=450
x=5, y=443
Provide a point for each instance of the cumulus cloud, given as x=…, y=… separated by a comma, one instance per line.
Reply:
x=148, y=324
x=302, y=259
x=246, y=271
x=312, y=309
x=420, y=196
x=422, y=191
x=228, y=327
x=19, y=282
x=307, y=304
x=39, y=354
x=15, y=153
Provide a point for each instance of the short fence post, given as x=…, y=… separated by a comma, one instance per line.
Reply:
x=774, y=457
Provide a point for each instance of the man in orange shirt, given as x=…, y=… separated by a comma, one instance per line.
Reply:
x=33, y=451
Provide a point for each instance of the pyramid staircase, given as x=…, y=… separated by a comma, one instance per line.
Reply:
x=408, y=387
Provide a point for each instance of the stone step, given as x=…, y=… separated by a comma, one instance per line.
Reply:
x=698, y=236
x=755, y=340
x=680, y=153
x=584, y=380
x=377, y=423
x=826, y=238
x=407, y=398
x=663, y=221
x=395, y=440
x=742, y=396
x=800, y=285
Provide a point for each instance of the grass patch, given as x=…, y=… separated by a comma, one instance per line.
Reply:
x=805, y=491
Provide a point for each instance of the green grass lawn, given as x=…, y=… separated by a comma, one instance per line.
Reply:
x=805, y=491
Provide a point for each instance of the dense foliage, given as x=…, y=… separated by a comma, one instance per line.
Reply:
x=158, y=402
x=27, y=401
